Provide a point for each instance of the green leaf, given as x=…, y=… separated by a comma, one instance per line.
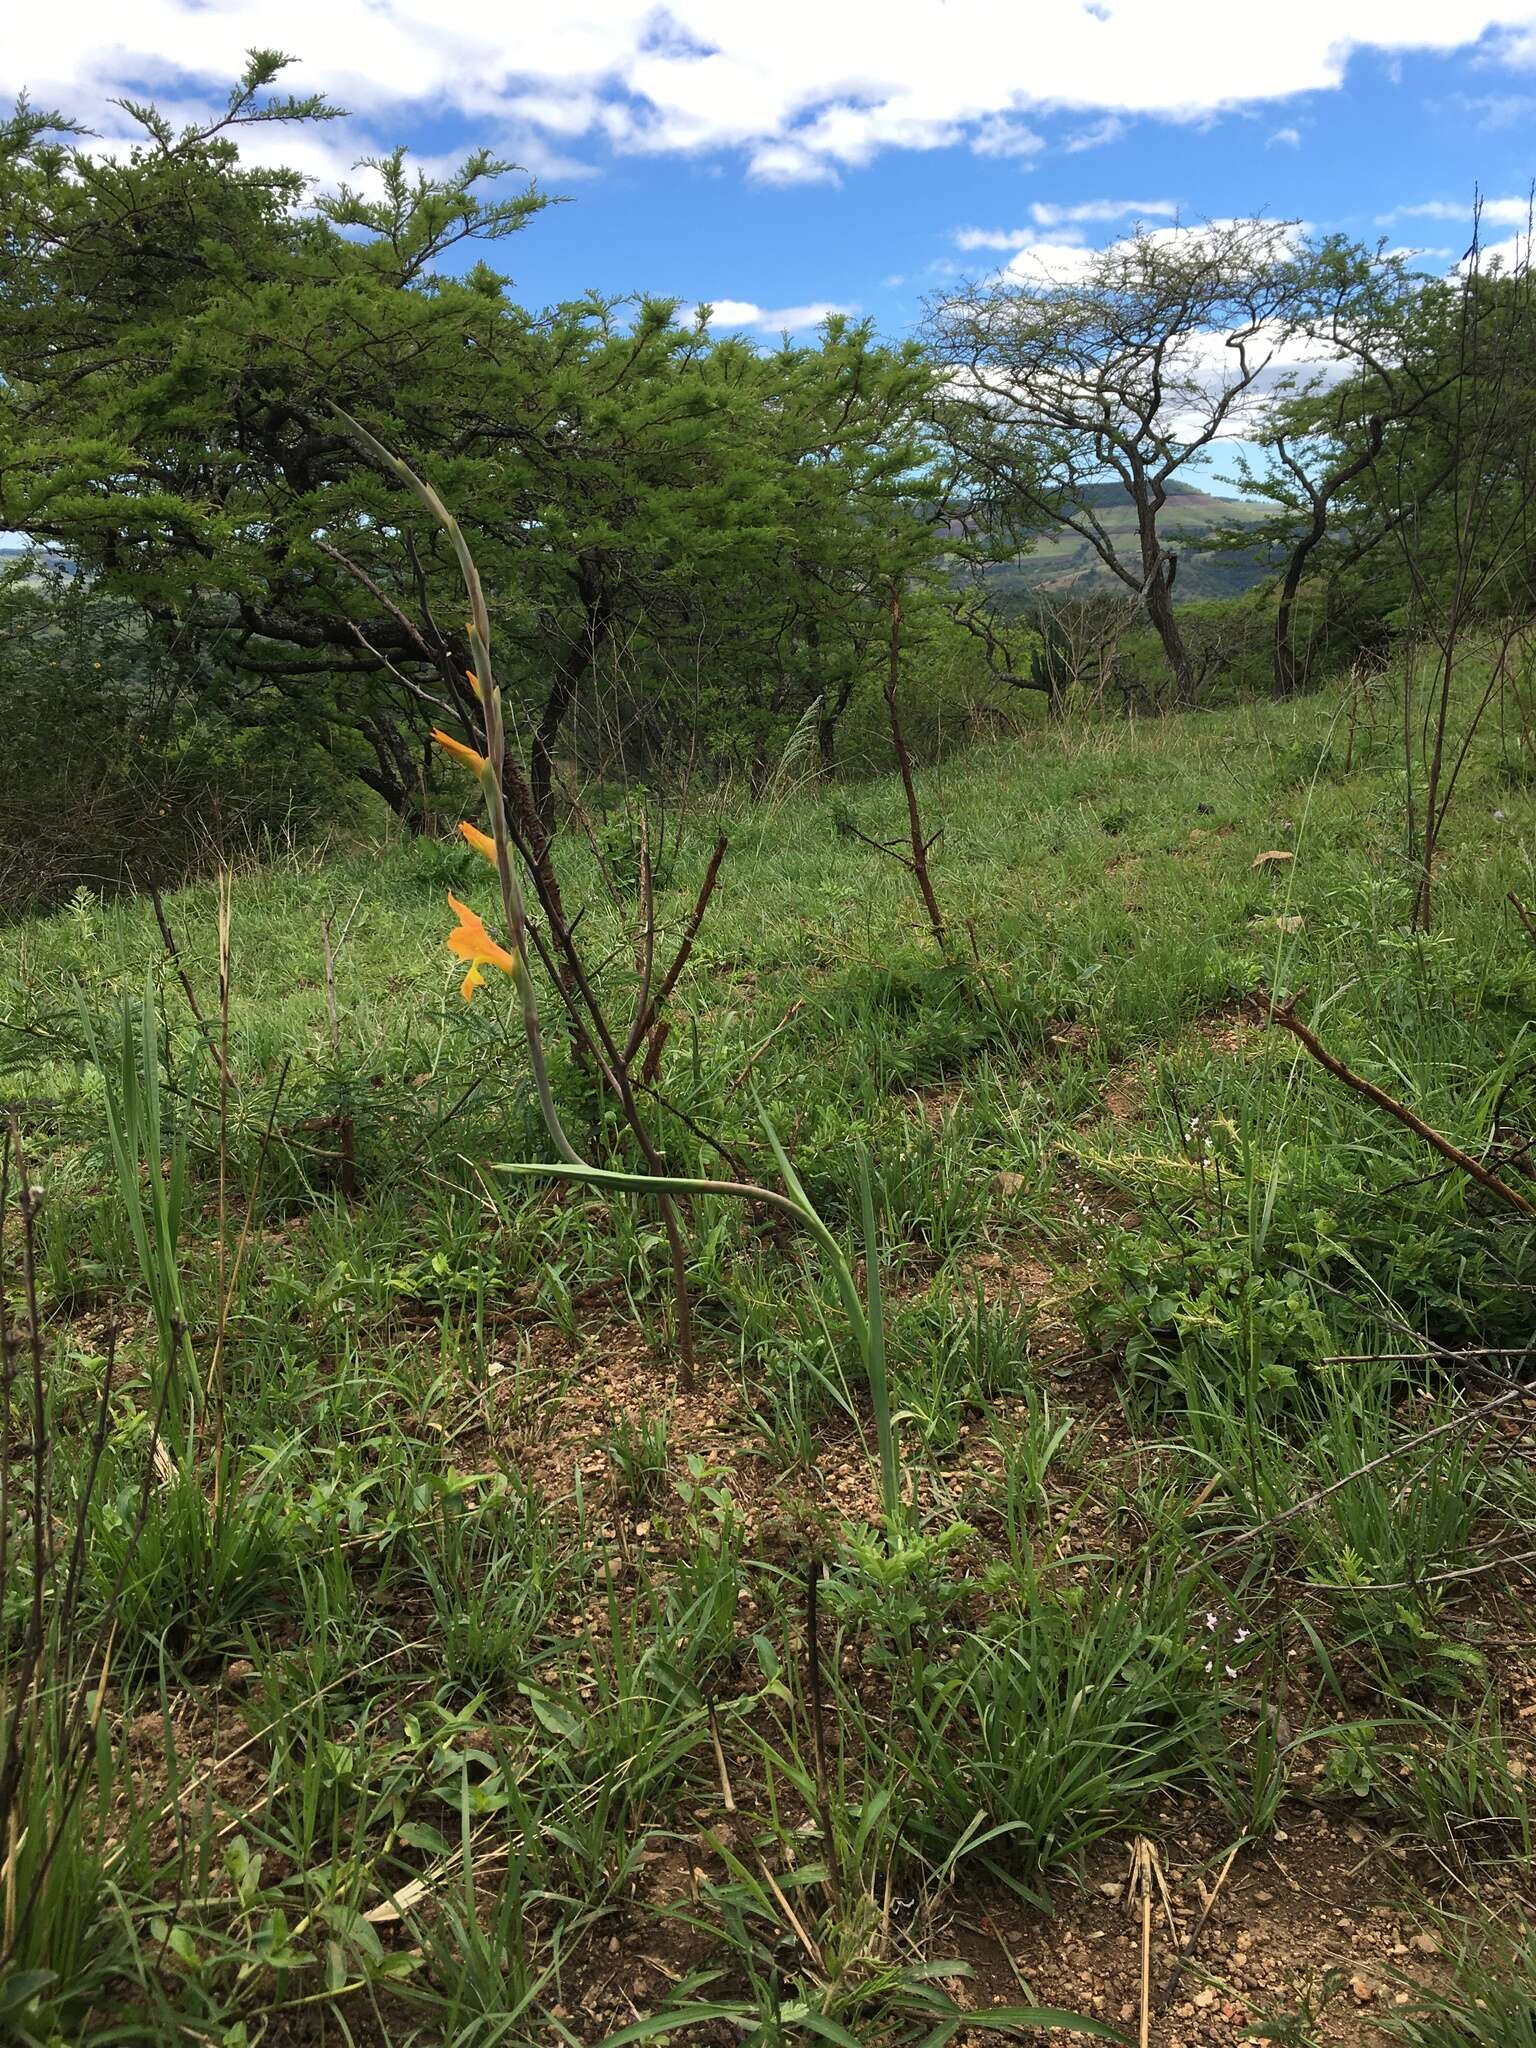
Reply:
x=554, y=1718
x=659, y=2024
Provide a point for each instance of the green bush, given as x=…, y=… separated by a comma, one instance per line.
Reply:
x=117, y=772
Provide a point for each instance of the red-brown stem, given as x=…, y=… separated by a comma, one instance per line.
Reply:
x=918, y=858
x=1284, y=1016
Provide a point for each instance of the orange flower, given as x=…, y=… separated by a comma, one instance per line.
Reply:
x=482, y=842
x=474, y=944
x=459, y=751
x=473, y=681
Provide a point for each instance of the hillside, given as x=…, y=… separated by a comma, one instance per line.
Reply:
x=475, y=1609
x=14, y=555
x=1060, y=562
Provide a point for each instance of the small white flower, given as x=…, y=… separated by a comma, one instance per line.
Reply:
x=1242, y=1635
x=1210, y=1621
x=1229, y=1670
x=1209, y=1665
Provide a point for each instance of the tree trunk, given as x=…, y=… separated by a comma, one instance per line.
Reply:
x=830, y=719
x=1159, y=602
x=395, y=778
x=541, y=755
x=1289, y=673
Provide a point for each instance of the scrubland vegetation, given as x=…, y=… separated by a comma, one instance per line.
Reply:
x=896, y=1411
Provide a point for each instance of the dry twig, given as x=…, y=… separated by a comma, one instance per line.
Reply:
x=1284, y=1014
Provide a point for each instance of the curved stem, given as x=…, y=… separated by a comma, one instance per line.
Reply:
x=797, y=1203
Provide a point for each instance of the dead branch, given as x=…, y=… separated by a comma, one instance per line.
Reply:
x=1402, y=1450
x=1284, y=1014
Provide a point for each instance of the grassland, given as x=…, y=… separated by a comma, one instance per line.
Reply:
x=467, y=1683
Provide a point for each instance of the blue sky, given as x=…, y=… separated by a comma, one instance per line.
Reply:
x=781, y=159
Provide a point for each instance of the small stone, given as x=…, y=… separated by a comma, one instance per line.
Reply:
x=1264, y=1898
x=1426, y=1943
x=1363, y=1989
x=1207, y=1998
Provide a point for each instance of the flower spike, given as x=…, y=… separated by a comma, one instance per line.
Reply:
x=459, y=751
x=474, y=945
x=482, y=842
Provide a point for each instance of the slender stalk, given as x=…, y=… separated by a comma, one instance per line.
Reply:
x=879, y=1390
x=917, y=859
x=817, y=1699
x=867, y=1327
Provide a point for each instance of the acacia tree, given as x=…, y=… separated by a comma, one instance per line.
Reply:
x=171, y=322
x=1459, y=499
x=1363, y=314
x=1434, y=533
x=178, y=330
x=853, y=430
x=1164, y=345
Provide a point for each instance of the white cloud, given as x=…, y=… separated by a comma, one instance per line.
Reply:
x=330, y=153
x=1506, y=252
x=996, y=135
x=730, y=314
x=1045, y=215
x=1066, y=220
x=1036, y=256
x=1513, y=253
x=1110, y=129
x=805, y=89
x=1496, y=213
x=1497, y=110
x=1045, y=262
x=790, y=163
x=993, y=238
x=1516, y=46
x=1289, y=137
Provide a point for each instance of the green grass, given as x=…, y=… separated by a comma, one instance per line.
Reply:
x=469, y=1675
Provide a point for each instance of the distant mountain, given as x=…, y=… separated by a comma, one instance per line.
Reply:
x=1061, y=563
x=14, y=553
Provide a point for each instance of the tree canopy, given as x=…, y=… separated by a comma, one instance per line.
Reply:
x=671, y=522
